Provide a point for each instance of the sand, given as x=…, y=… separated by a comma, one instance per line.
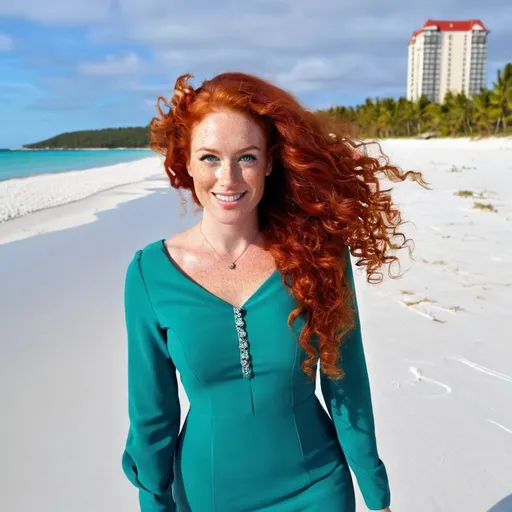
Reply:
x=437, y=340
x=41, y=194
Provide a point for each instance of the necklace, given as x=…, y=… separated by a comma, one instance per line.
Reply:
x=231, y=264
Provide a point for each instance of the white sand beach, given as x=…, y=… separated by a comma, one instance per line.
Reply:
x=438, y=340
x=40, y=194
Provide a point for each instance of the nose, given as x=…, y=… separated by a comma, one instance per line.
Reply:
x=228, y=175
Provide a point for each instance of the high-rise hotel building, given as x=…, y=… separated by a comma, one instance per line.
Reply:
x=447, y=56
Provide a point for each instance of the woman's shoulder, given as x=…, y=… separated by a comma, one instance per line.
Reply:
x=149, y=259
x=149, y=251
x=145, y=258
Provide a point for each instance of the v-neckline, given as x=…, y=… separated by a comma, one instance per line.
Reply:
x=205, y=290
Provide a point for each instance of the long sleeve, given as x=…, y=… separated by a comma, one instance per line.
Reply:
x=349, y=403
x=153, y=402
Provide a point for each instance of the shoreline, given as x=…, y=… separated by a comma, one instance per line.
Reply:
x=44, y=203
x=58, y=173
x=49, y=202
x=76, y=213
x=77, y=149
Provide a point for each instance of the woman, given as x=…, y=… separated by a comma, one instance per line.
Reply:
x=247, y=302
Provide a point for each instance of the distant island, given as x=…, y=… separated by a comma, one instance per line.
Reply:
x=107, y=138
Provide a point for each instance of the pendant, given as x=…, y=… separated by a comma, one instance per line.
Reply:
x=231, y=265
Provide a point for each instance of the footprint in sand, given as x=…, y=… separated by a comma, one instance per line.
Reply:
x=443, y=389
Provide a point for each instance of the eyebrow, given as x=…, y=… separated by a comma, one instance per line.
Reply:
x=248, y=148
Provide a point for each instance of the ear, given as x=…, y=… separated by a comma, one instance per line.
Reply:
x=187, y=166
x=269, y=167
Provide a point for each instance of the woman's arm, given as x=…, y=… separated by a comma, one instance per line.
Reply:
x=153, y=403
x=349, y=403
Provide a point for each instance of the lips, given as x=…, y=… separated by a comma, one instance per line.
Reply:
x=229, y=198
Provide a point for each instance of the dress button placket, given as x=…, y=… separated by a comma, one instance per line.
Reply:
x=243, y=345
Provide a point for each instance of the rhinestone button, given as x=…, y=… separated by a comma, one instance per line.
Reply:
x=243, y=346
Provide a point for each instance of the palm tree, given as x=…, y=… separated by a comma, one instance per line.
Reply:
x=484, y=110
x=436, y=114
x=366, y=115
x=420, y=112
x=502, y=95
x=459, y=113
x=387, y=116
x=407, y=115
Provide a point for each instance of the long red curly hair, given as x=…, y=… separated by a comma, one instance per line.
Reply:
x=322, y=197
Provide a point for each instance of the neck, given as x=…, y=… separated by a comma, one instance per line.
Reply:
x=230, y=239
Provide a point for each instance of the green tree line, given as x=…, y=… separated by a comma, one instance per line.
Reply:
x=487, y=113
x=130, y=137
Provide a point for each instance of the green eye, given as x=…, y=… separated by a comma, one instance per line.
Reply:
x=207, y=158
x=251, y=157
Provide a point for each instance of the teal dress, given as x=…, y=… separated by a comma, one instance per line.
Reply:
x=256, y=437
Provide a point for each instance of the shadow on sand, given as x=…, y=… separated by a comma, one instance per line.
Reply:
x=504, y=505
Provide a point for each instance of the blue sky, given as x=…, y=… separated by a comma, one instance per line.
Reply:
x=83, y=64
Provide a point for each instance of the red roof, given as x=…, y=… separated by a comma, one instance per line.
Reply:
x=449, y=26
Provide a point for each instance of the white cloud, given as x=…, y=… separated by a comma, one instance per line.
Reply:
x=13, y=87
x=306, y=45
x=58, y=11
x=6, y=43
x=57, y=105
x=306, y=75
x=112, y=65
x=152, y=90
x=346, y=71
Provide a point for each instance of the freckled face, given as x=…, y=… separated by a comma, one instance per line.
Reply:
x=229, y=163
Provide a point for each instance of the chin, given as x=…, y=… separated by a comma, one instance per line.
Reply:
x=228, y=217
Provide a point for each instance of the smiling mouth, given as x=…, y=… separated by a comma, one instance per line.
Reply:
x=229, y=198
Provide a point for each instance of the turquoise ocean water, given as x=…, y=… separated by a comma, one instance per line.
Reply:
x=21, y=164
